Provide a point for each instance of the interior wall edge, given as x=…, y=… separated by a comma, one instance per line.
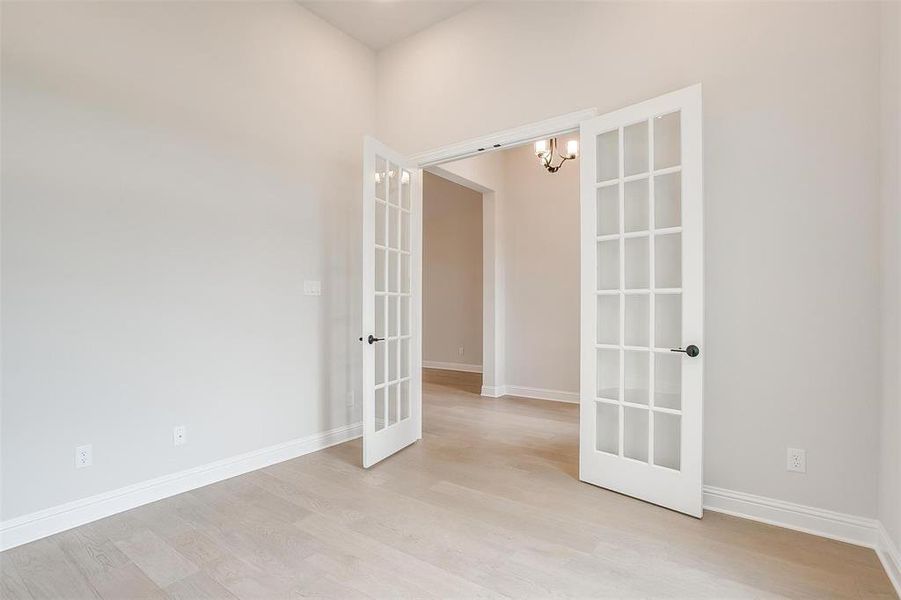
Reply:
x=890, y=557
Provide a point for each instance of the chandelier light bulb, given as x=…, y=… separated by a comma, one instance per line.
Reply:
x=546, y=151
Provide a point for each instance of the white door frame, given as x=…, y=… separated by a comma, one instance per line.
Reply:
x=492, y=342
x=493, y=373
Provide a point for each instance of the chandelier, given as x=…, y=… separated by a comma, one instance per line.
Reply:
x=546, y=150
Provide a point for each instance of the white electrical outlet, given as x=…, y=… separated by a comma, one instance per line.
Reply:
x=796, y=460
x=351, y=400
x=179, y=435
x=312, y=288
x=460, y=351
x=84, y=456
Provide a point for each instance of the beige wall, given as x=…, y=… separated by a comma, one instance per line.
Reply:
x=485, y=173
x=791, y=117
x=172, y=173
x=542, y=251
x=451, y=272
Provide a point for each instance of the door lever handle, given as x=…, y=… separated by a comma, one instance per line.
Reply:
x=690, y=350
x=372, y=339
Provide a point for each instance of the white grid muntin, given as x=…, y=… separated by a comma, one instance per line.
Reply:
x=651, y=234
x=393, y=281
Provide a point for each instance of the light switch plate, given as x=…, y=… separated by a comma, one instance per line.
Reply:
x=312, y=288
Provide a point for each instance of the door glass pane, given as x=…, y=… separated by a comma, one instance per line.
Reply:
x=404, y=400
x=405, y=358
x=406, y=183
x=608, y=210
x=392, y=359
x=381, y=171
x=668, y=260
x=608, y=155
x=405, y=273
x=405, y=315
x=380, y=409
x=405, y=232
x=635, y=433
x=668, y=320
x=380, y=277
x=637, y=263
x=393, y=237
x=668, y=200
x=393, y=187
x=393, y=275
x=608, y=265
x=637, y=380
x=668, y=380
x=635, y=148
x=380, y=223
x=637, y=319
x=608, y=374
x=667, y=440
x=636, y=205
x=667, y=141
x=393, y=404
x=607, y=427
x=379, y=316
x=380, y=361
x=608, y=319
x=392, y=316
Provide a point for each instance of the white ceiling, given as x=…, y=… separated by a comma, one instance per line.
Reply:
x=380, y=23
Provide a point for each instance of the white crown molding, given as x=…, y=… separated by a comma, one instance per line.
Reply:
x=504, y=139
x=30, y=527
x=450, y=366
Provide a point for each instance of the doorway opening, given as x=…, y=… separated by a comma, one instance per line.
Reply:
x=640, y=291
x=529, y=273
x=451, y=283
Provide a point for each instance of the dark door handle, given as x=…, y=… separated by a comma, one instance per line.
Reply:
x=690, y=350
x=372, y=339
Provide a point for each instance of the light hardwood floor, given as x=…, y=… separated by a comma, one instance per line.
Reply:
x=488, y=504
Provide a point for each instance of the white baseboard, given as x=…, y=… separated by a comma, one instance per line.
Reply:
x=890, y=557
x=825, y=523
x=493, y=391
x=449, y=366
x=852, y=529
x=529, y=392
x=861, y=531
x=27, y=528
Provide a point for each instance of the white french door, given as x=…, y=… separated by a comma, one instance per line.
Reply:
x=642, y=301
x=391, y=269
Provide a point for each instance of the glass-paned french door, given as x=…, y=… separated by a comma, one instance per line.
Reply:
x=642, y=301
x=392, y=203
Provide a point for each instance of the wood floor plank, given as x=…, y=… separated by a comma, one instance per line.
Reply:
x=487, y=505
x=158, y=560
x=11, y=585
x=47, y=572
x=198, y=586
